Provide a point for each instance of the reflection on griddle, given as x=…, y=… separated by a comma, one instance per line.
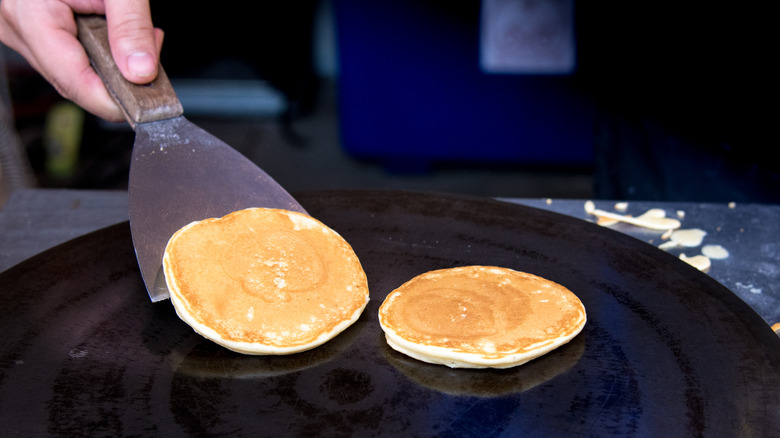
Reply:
x=487, y=382
x=208, y=359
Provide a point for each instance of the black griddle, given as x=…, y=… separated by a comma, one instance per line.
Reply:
x=667, y=351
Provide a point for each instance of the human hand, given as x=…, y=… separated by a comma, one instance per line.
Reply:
x=44, y=32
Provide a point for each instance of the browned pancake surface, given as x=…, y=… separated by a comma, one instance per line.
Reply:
x=481, y=311
x=273, y=278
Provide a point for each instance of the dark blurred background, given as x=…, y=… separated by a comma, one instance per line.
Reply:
x=517, y=98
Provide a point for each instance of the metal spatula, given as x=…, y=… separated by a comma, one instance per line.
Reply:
x=179, y=173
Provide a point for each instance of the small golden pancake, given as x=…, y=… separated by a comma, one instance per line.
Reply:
x=480, y=317
x=264, y=281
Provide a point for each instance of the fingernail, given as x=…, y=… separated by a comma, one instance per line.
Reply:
x=141, y=64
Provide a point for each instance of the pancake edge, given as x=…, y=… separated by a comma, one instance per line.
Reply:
x=455, y=359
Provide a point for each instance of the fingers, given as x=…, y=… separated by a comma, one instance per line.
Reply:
x=67, y=67
x=135, y=43
x=45, y=34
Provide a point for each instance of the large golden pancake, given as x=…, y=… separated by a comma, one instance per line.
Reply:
x=264, y=281
x=480, y=317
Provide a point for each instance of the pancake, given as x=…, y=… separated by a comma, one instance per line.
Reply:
x=264, y=281
x=480, y=317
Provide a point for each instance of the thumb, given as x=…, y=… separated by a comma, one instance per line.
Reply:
x=135, y=43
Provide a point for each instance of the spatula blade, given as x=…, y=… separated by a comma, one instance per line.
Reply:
x=180, y=173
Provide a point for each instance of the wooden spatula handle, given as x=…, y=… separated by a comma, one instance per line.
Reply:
x=140, y=103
